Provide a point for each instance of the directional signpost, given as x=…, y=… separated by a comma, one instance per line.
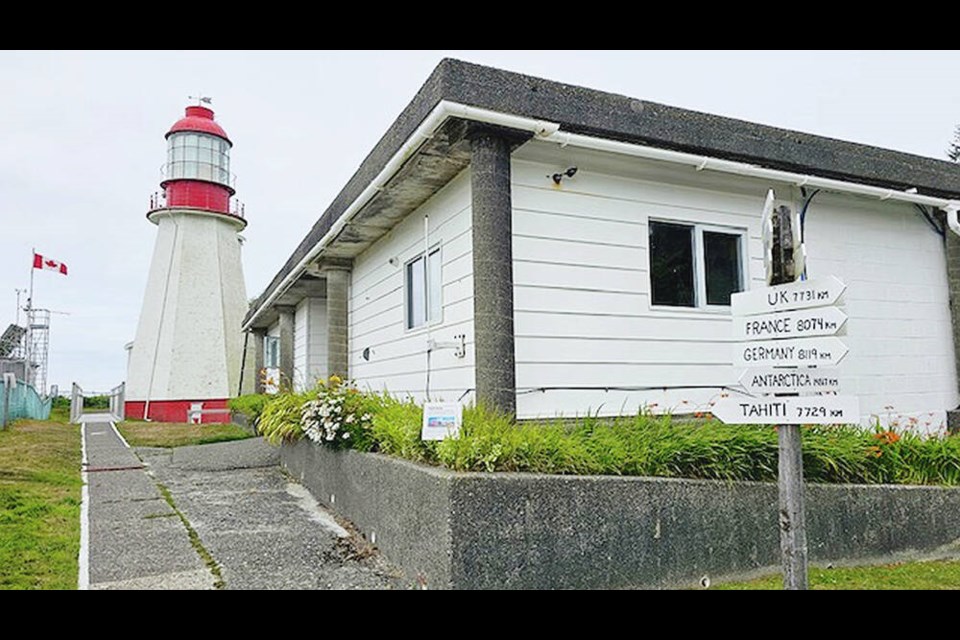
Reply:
x=788, y=332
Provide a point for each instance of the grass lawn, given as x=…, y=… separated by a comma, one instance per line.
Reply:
x=937, y=575
x=39, y=505
x=172, y=434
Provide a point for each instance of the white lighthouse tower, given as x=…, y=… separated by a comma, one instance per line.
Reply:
x=185, y=361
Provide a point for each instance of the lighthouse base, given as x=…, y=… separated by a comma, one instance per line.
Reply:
x=188, y=411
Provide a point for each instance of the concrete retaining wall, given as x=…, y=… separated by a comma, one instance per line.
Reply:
x=505, y=530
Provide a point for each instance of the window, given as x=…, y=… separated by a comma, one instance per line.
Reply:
x=693, y=265
x=200, y=156
x=271, y=352
x=422, y=286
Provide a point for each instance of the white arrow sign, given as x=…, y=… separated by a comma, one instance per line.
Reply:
x=793, y=410
x=825, y=321
x=768, y=380
x=795, y=352
x=805, y=294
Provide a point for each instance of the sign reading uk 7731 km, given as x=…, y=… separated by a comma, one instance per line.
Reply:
x=805, y=294
x=791, y=410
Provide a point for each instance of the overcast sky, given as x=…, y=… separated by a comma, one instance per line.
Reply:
x=82, y=143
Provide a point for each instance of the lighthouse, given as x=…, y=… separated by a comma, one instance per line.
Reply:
x=186, y=358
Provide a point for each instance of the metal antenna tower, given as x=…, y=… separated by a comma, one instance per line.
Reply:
x=38, y=348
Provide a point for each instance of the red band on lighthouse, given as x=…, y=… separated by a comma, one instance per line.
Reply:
x=47, y=264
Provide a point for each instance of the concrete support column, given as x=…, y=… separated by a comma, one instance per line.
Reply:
x=256, y=344
x=338, y=286
x=953, y=282
x=286, y=345
x=496, y=369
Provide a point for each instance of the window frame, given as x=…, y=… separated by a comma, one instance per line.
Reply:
x=699, y=264
x=438, y=249
x=267, y=361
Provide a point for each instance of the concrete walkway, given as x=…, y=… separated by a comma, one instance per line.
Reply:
x=212, y=516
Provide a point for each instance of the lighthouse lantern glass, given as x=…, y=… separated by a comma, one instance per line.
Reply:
x=198, y=156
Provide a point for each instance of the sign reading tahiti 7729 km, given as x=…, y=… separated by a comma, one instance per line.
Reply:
x=792, y=410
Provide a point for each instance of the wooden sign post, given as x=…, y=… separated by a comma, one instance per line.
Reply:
x=788, y=345
x=793, y=523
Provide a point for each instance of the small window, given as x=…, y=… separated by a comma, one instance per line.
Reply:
x=271, y=352
x=694, y=265
x=422, y=286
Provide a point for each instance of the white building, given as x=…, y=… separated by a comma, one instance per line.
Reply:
x=605, y=289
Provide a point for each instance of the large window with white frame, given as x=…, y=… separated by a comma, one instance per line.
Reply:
x=695, y=265
x=422, y=287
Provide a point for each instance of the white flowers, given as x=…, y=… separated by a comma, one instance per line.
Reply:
x=333, y=415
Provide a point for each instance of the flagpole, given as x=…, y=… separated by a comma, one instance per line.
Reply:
x=29, y=350
x=33, y=258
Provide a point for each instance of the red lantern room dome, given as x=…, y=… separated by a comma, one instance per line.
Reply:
x=199, y=119
x=197, y=174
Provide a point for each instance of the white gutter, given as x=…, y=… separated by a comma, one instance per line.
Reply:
x=550, y=131
x=952, y=220
x=701, y=163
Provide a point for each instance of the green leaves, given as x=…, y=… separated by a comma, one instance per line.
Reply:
x=640, y=445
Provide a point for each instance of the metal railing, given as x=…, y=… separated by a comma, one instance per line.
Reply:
x=117, y=400
x=21, y=400
x=158, y=200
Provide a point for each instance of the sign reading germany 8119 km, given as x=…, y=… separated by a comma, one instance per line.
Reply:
x=789, y=346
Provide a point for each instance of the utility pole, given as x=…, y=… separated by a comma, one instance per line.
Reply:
x=19, y=292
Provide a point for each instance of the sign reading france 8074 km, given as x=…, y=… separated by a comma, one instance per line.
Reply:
x=788, y=345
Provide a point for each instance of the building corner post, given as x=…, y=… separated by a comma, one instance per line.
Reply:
x=253, y=365
x=337, y=275
x=286, y=345
x=952, y=251
x=490, y=178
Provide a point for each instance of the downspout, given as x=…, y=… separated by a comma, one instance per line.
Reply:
x=953, y=222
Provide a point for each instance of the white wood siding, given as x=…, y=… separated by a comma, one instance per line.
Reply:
x=582, y=295
x=897, y=300
x=317, y=342
x=377, y=314
x=301, y=323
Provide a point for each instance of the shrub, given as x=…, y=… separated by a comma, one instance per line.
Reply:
x=280, y=419
x=250, y=405
x=338, y=416
x=96, y=402
x=643, y=444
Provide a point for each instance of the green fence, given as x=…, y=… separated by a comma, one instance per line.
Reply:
x=20, y=400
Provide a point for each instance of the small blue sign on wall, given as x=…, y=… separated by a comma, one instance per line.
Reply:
x=441, y=420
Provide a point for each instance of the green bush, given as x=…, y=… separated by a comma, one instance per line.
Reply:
x=280, y=418
x=641, y=445
x=96, y=402
x=250, y=405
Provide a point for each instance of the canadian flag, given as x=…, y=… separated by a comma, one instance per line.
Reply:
x=39, y=262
